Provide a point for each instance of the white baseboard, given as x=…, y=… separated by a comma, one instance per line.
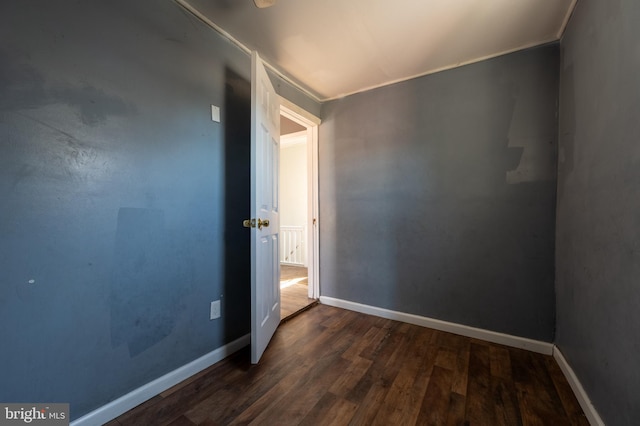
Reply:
x=136, y=397
x=578, y=390
x=450, y=327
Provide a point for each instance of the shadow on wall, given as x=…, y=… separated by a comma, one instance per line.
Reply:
x=190, y=248
x=144, y=290
x=237, y=176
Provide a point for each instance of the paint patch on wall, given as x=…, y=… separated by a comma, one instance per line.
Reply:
x=536, y=163
x=149, y=279
x=529, y=132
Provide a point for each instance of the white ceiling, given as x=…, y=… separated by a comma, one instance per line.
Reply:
x=334, y=48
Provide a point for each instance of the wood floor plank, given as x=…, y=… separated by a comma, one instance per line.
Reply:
x=293, y=298
x=253, y=407
x=209, y=422
x=384, y=351
x=398, y=399
x=479, y=408
x=568, y=399
x=330, y=410
x=528, y=410
x=359, y=327
x=274, y=370
x=336, y=319
x=505, y=401
x=503, y=388
x=302, y=396
x=435, y=406
x=259, y=381
x=267, y=391
x=186, y=382
x=182, y=421
x=313, y=349
x=461, y=371
x=332, y=366
x=354, y=373
x=451, y=341
x=213, y=407
x=369, y=406
x=415, y=396
x=378, y=379
x=373, y=335
x=447, y=358
x=151, y=404
x=295, y=273
x=537, y=398
x=456, y=414
x=377, y=346
x=294, y=290
x=500, y=362
x=544, y=385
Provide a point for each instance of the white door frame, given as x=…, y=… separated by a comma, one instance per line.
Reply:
x=298, y=115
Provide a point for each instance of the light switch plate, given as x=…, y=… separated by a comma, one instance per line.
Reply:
x=215, y=310
x=215, y=113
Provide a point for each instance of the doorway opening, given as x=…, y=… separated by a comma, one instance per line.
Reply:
x=299, y=288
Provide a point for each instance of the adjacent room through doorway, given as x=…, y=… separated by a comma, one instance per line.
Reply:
x=294, y=217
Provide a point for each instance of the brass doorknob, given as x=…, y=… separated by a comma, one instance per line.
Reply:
x=251, y=223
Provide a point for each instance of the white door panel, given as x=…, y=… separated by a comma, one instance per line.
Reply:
x=265, y=159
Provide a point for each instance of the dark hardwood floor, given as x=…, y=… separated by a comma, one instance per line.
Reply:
x=294, y=291
x=329, y=366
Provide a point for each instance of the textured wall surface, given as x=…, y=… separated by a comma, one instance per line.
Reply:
x=437, y=195
x=121, y=199
x=598, y=217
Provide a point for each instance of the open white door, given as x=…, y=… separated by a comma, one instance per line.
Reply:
x=265, y=223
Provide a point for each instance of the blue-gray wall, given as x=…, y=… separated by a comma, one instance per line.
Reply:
x=121, y=200
x=437, y=195
x=598, y=216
